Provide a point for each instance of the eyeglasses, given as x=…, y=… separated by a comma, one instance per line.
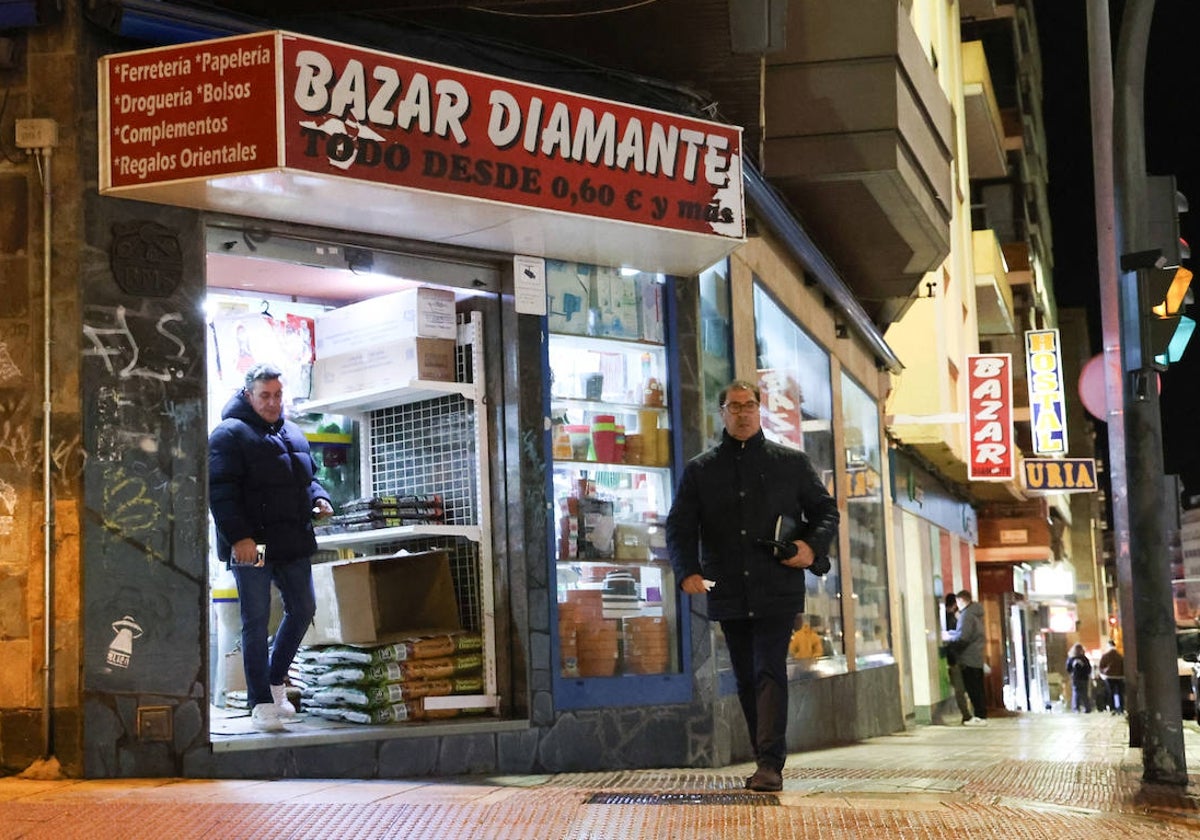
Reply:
x=740, y=408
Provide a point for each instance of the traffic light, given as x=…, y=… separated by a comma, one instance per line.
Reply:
x=1164, y=291
x=1164, y=203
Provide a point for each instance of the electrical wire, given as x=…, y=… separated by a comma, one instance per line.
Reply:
x=562, y=15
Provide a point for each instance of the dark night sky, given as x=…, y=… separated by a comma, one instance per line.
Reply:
x=1172, y=147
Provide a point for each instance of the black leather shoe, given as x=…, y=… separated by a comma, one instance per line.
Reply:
x=765, y=780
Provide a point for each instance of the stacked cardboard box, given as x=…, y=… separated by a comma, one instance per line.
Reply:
x=386, y=341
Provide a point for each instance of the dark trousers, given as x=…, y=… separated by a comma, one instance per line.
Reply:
x=758, y=653
x=1116, y=693
x=960, y=691
x=265, y=668
x=973, y=683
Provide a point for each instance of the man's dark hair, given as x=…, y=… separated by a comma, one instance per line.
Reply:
x=735, y=385
x=965, y=594
x=261, y=372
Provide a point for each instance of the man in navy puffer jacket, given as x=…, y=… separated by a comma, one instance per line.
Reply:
x=262, y=492
x=719, y=534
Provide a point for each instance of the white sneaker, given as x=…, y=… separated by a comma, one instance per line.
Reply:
x=975, y=722
x=282, y=704
x=265, y=718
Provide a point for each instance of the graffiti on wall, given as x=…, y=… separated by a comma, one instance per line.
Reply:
x=19, y=444
x=120, y=649
x=129, y=506
x=114, y=342
x=8, y=507
x=9, y=372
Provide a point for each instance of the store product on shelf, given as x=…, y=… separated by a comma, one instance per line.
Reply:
x=646, y=645
x=385, y=683
x=384, y=512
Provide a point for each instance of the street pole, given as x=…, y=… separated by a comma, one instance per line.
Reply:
x=1100, y=82
x=1158, y=710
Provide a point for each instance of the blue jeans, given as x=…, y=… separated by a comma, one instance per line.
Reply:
x=758, y=654
x=295, y=583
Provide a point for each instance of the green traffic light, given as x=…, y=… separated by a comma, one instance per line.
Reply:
x=1178, y=343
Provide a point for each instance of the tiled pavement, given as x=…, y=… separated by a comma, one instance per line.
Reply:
x=1055, y=776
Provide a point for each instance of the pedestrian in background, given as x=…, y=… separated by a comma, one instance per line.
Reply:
x=724, y=537
x=262, y=492
x=971, y=641
x=1079, y=669
x=1112, y=671
x=952, y=666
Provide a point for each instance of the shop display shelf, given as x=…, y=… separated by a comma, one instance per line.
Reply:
x=404, y=532
x=603, y=344
x=611, y=467
x=605, y=405
x=329, y=438
x=360, y=401
x=461, y=701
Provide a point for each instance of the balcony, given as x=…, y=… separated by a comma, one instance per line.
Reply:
x=985, y=126
x=993, y=294
x=977, y=9
x=858, y=138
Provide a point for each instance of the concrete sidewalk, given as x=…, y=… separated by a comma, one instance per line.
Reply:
x=1057, y=776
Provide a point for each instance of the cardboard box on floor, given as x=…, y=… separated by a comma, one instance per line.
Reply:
x=376, y=600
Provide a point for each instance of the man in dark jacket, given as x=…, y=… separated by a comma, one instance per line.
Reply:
x=1112, y=671
x=971, y=641
x=721, y=535
x=263, y=497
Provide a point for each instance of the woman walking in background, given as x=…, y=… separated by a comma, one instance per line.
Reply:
x=1079, y=667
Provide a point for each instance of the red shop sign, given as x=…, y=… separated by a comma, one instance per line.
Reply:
x=278, y=102
x=990, y=425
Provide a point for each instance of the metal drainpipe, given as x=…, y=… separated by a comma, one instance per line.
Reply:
x=47, y=502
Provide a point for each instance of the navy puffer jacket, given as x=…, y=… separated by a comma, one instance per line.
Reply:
x=729, y=498
x=261, y=483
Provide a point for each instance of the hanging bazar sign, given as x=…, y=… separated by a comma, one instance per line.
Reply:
x=1047, y=396
x=781, y=395
x=1059, y=475
x=316, y=130
x=989, y=411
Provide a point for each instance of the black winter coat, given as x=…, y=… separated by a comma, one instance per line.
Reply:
x=1080, y=669
x=261, y=484
x=731, y=496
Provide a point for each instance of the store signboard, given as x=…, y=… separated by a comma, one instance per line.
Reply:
x=1059, y=475
x=312, y=130
x=989, y=413
x=1047, y=394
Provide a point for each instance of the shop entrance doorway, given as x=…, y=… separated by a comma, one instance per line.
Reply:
x=382, y=359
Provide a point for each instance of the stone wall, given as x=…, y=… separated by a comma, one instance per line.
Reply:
x=45, y=82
